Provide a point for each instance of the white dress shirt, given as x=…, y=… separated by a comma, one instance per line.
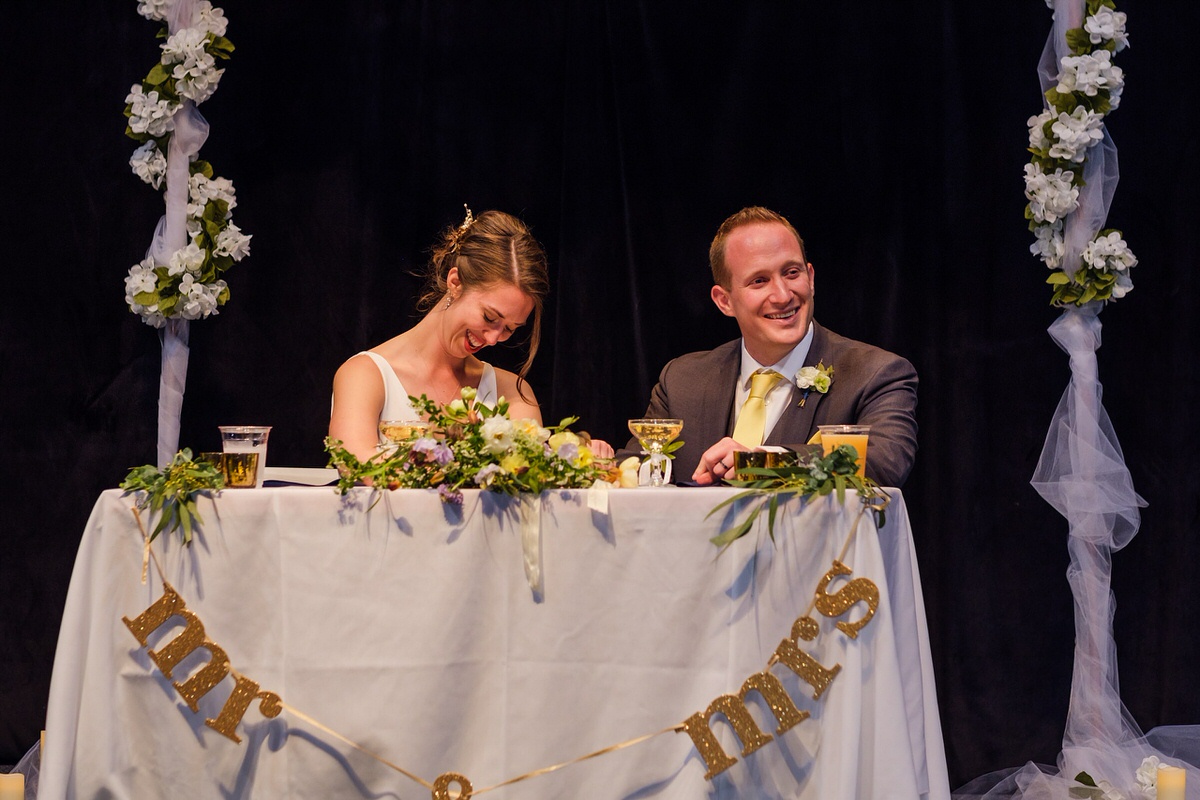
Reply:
x=776, y=399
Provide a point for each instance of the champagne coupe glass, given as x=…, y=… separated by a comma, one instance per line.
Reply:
x=655, y=434
x=397, y=431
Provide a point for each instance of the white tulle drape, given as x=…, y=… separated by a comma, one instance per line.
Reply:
x=1082, y=474
x=191, y=130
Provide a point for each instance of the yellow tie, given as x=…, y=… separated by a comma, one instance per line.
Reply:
x=753, y=419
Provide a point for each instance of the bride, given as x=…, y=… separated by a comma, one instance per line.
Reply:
x=487, y=279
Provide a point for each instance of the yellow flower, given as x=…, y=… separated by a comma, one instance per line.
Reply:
x=585, y=457
x=561, y=438
x=513, y=463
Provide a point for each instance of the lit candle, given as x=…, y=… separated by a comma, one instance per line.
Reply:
x=12, y=787
x=1172, y=781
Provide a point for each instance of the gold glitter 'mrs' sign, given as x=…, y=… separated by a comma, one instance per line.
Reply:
x=733, y=706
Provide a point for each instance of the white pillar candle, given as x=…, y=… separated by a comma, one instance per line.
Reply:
x=12, y=787
x=1172, y=782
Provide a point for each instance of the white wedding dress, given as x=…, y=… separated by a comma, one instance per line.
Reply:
x=396, y=404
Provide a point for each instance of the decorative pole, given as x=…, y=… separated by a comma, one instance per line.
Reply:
x=1069, y=182
x=195, y=241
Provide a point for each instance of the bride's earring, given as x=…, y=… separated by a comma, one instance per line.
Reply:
x=449, y=300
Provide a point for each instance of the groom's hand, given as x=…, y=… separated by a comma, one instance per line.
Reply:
x=717, y=462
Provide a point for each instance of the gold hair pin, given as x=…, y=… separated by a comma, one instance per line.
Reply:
x=470, y=218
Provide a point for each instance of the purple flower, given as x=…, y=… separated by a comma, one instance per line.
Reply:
x=568, y=452
x=484, y=476
x=449, y=495
x=442, y=454
x=425, y=448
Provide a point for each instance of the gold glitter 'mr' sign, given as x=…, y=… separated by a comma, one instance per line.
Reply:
x=192, y=638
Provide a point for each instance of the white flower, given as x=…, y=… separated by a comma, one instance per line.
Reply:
x=1147, y=773
x=1076, y=132
x=154, y=9
x=141, y=278
x=199, y=299
x=186, y=47
x=497, y=435
x=1052, y=196
x=187, y=259
x=1123, y=286
x=1037, y=130
x=149, y=114
x=149, y=164
x=196, y=74
x=201, y=190
x=212, y=19
x=1109, y=253
x=196, y=83
x=529, y=428
x=1107, y=25
x=232, y=242
x=1089, y=73
x=1049, y=245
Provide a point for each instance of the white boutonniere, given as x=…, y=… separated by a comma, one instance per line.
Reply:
x=818, y=378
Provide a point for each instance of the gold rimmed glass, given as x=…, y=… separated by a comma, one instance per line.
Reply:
x=655, y=435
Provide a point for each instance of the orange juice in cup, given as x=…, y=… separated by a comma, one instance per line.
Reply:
x=853, y=435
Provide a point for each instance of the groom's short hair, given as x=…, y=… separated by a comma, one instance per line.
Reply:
x=747, y=216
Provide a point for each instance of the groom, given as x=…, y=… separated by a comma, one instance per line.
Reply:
x=763, y=280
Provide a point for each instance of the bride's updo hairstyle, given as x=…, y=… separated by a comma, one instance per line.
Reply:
x=493, y=248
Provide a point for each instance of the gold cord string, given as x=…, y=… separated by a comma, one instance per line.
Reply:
x=601, y=752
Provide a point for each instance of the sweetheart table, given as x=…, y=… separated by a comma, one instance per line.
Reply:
x=384, y=644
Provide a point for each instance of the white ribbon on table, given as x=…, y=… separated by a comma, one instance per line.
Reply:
x=529, y=509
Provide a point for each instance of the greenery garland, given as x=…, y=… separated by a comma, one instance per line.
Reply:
x=172, y=491
x=189, y=285
x=1089, y=87
x=821, y=475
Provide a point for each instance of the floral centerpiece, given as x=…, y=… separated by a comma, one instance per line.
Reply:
x=1088, y=87
x=472, y=445
x=186, y=284
x=816, y=477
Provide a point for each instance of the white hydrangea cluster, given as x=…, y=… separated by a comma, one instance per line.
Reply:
x=180, y=286
x=232, y=242
x=1050, y=246
x=142, y=279
x=149, y=164
x=198, y=300
x=195, y=72
x=1107, y=25
x=149, y=113
x=1060, y=138
x=202, y=189
x=1038, y=139
x=211, y=20
x=154, y=9
x=1051, y=196
x=1075, y=133
x=1091, y=72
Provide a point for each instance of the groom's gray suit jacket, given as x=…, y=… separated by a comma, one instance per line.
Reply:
x=870, y=387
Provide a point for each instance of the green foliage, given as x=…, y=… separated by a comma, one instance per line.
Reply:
x=172, y=491
x=834, y=473
x=474, y=445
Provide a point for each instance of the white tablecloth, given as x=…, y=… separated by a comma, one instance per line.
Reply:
x=409, y=628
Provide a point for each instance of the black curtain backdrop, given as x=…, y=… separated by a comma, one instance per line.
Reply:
x=892, y=134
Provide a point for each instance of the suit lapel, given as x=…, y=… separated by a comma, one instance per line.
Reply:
x=797, y=424
x=718, y=393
